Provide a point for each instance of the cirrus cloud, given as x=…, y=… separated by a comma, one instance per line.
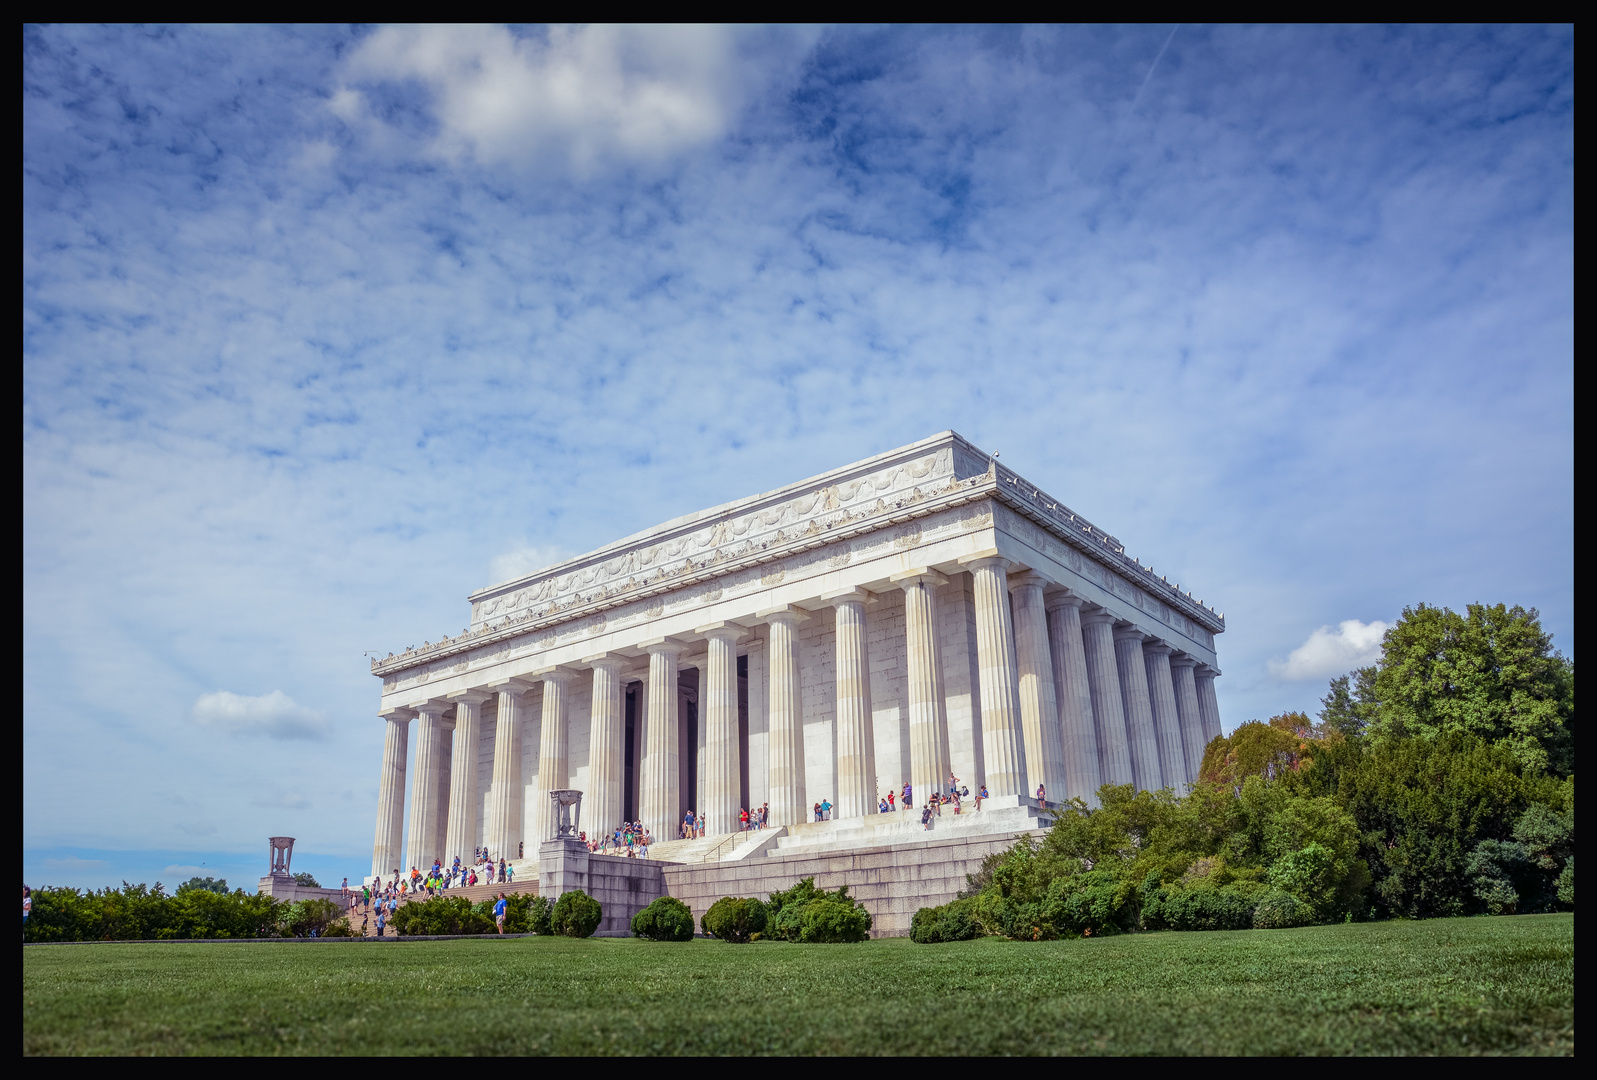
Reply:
x=1330, y=651
x=274, y=715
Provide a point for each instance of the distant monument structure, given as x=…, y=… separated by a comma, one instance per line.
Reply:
x=925, y=623
x=282, y=852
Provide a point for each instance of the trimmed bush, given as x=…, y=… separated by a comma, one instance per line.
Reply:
x=667, y=919
x=1228, y=908
x=735, y=918
x=788, y=908
x=833, y=922
x=576, y=914
x=952, y=922
x=440, y=915
x=1280, y=910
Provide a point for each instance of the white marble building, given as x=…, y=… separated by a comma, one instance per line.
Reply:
x=922, y=612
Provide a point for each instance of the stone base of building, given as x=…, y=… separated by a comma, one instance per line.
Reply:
x=283, y=887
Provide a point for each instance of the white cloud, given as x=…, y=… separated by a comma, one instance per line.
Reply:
x=192, y=871
x=282, y=799
x=588, y=92
x=72, y=862
x=524, y=560
x=275, y=715
x=1330, y=652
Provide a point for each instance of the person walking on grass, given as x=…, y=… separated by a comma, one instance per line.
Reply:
x=499, y=913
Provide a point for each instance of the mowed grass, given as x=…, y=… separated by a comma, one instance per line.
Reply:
x=1454, y=986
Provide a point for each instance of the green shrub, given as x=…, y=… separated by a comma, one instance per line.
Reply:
x=955, y=921
x=1279, y=910
x=736, y=919
x=1094, y=903
x=441, y=915
x=576, y=914
x=524, y=913
x=299, y=918
x=787, y=909
x=1566, y=883
x=1227, y=908
x=832, y=922
x=666, y=919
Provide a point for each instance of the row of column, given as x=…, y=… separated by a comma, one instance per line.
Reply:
x=1068, y=700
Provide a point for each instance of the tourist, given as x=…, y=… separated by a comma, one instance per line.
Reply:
x=881, y=805
x=27, y=909
x=765, y=815
x=826, y=810
x=891, y=806
x=743, y=819
x=908, y=795
x=926, y=817
x=499, y=913
x=382, y=921
x=817, y=811
x=980, y=795
x=502, y=869
x=1042, y=796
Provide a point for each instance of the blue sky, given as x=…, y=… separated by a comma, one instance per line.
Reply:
x=324, y=328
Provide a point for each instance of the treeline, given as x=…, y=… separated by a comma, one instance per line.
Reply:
x=207, y=910
x=1438, y=782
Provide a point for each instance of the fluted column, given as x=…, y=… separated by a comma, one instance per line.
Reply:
x=554, y=750
x=660, y=800
x=1002, y=748
x=1078, y=736
x=856, y=746
x=928, y=709
x=1192, y=741
x=786, y=718
x=1108, y=708
x=387, y=848
x=1140, y=737
x=465, y=800
x=607, y=738
x=1208, y=703
x=1166, y=724
x=504, y=794
x=718, y=707
x=425, y=805
x=1039, y=702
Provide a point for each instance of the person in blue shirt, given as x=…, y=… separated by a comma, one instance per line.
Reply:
x=826, y=810
x=499, y=913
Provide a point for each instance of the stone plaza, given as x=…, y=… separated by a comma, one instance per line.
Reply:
x=922, y=615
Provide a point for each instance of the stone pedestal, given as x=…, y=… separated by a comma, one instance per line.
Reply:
x=562, y=866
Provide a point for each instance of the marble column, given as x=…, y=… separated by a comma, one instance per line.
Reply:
x=1002, y=749
x=388, y=847
x=660, y=800
x=1192, y=741
x=928, y=710
x=1140, y=737
x=640, y=741
x=856, y=747
x=607, y=740
x=465, y=799
x=425, y=806
x=504, y=837
x=786, y=718
x=1108, y=708
x=720, y=785
x=1208, y=704
x=1166, y=723
x=554, y=749
x=1039, y=702
x=1078, y=736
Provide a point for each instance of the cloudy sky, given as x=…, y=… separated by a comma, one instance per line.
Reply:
x=324, y=328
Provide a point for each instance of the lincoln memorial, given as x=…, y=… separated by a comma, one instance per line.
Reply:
x=922, y=614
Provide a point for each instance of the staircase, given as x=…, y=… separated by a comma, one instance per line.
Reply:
x=1006, y=815
x=728, y=848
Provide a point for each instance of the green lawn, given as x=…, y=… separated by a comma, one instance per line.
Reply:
x=1453, y=986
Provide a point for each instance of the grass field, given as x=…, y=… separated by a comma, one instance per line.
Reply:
x=1454, y=986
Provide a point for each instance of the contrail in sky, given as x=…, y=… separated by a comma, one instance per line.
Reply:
x=1153, y=65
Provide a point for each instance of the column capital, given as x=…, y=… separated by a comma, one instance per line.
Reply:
x=848, y=596
x=559, y=673
x=1054, y=601
x=433, y=707
x=1127, y=632
x=664, y=645
x=1206, y=670
x=513, y=687
x=606, y=661
x=1096, y=618
x=1156, y=647
x=925, y=575
x=1027, y=579
x=1181, y=659
x=722, y=631
x=786, y=613
x=470, y=697
x=398, y=714
x=989, y=557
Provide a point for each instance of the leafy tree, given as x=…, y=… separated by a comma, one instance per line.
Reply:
x=208, y=884
x=787, y=911
x=1254, y=749
x=1350, y=706
x=306, y=880
x=1491, y=672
